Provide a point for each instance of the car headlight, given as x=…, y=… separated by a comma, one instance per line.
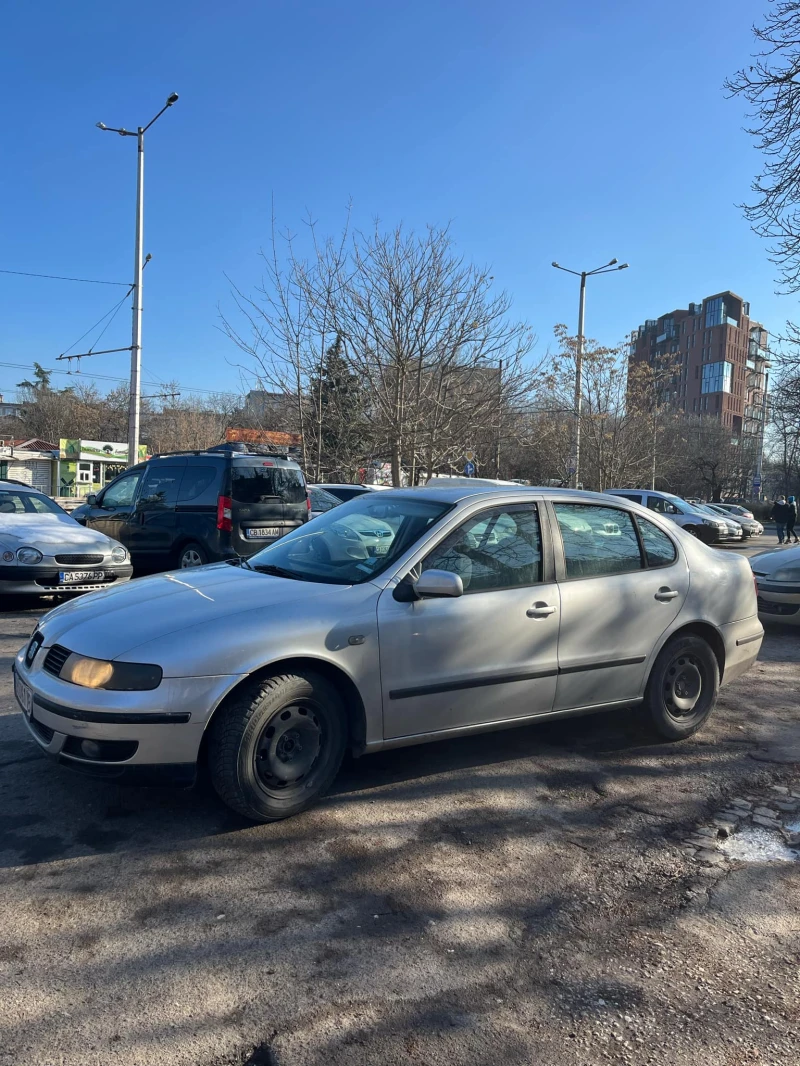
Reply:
x=711, y=522
x=119, y=554
x=29, y=555
x=119, y=677
x=787, y=573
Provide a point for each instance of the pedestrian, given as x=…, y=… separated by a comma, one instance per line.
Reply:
x=780, y=516
x=790, y=521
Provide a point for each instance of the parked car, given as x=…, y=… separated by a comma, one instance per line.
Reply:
x=736, y=509
x=705, y=527
x=321, y=500
x=186, y=509
x=484, y=608
x=43, y=550
x=777, y=574
x=751, y=527
x=734, y=528
x=349, y=492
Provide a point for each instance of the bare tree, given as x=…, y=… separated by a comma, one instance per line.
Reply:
x=771, y=86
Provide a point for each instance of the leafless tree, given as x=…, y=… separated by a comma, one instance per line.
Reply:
x=771, y=86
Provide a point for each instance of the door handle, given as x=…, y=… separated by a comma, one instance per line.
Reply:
x=540, y=610
x=666, y=594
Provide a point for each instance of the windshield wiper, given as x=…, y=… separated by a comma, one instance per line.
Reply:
x=277, y=571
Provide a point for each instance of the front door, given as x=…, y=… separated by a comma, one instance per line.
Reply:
x=488, y=656
x=113, y=512
x=620, y=590
x=155, y=523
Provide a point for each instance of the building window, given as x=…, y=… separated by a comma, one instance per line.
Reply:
x=717, y=377
x=694, y=405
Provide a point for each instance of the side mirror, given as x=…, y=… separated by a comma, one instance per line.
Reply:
x=91, y=499
x=439, y=583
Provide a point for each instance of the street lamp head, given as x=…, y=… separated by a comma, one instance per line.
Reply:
x=123, y=132
x=101, y=125
x=613, y=262
x=171, y=99
x=623, y=266
x=555, y=264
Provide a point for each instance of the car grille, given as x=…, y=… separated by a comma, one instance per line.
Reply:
x=44, y=731
x=79, y=560
x=55, y=659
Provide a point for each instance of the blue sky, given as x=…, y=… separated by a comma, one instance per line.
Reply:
x=574, y=132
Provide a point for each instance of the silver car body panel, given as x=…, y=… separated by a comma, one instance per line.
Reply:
x=779, y=600
x=418, y=671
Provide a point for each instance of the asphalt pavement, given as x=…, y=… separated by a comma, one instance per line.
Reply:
x=516, y=898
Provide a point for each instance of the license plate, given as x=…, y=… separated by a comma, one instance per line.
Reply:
x=262, y=532
x=81, y=577
x=24, y=696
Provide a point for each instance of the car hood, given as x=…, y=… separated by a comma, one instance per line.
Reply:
x=777, y=559
x=113, y=622
x=50, y=533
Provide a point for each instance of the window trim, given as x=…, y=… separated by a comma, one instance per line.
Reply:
x=561, y=560
x=546, y=577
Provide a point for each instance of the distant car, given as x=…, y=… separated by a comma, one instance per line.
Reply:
x=474, y=609
x=349, y=492
x=750, y=526
x=736, y=509
x=321, y=500
x=708, y=528
x=185, y=509
x=735, y=531
x=777, y=574
x=43, y=550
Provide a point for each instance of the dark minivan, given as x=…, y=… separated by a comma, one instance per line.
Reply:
x=189, y=508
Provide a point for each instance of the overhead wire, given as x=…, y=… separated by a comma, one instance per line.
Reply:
x=59, y=277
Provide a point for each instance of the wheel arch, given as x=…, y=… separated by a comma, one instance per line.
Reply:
x=354, y=704
x=709, y=633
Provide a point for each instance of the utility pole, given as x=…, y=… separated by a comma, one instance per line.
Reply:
x=575, y=459
x=135, y=395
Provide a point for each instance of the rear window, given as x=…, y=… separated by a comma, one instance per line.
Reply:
x=259, y=483
x=634, y=497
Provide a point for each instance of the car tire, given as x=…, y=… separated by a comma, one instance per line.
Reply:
x=682, y=688
x=192, y=555
x=275, y=747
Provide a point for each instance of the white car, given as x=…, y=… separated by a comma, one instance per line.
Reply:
x=777, y=574
x=44, y=550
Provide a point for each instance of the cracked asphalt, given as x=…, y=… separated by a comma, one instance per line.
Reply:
x=513, y=898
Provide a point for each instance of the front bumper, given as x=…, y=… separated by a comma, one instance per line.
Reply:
x=42, y=579
x=778, y=601
x=140, y=735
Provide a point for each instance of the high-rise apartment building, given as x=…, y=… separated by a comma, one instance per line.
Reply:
x=712, y=359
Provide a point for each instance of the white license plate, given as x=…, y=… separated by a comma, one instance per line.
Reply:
x=262, y=532
x=80, y=577
x=24, y=696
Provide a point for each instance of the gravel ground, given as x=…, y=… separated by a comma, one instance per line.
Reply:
x=514, y=898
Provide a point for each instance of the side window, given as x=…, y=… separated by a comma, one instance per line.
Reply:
x=496, y=549
x=160, y=487
x=634, y=497
x=597, y=540
x=658, y=548
x=655, y=503
x=196, y=479
x=289, y=484
x=122, y=492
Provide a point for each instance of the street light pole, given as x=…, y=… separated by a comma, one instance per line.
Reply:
x=135, y=394
x=608, y=268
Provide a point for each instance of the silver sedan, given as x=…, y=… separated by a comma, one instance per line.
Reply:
x=43, y=550
x=482, y=608
x=777, y=574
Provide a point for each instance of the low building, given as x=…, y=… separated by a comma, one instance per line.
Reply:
x=85, y=466
x=31, y=461
x=8, y=409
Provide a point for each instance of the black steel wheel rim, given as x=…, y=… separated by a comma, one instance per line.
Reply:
x=289, y=748
x=683, y=685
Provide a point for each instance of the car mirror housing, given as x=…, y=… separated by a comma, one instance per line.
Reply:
x=91, y=499
x=439, y=583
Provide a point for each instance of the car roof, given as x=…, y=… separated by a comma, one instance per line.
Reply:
x=457, y=493
x=19, y=485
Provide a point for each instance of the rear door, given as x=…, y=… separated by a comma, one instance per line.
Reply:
x=622, y=582
x=268, y=500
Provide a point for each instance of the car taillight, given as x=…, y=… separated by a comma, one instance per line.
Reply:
x=225, y=514
x=308, y=502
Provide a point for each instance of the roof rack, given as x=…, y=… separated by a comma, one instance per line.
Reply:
x=231, y=448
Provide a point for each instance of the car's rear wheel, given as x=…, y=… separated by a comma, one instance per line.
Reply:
x=682, y=687
x=191, y=555
x=277, y=744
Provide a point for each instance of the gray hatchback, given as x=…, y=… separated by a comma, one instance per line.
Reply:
x=474, y=609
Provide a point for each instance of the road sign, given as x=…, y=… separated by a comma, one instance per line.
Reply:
x=469, y=456
x=469, y=469
x=756, y=482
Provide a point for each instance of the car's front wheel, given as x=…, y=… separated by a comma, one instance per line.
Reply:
x=277, y=744
x=682, y=687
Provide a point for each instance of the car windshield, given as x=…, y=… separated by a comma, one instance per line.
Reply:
x=351, y=543
x=13, y=502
